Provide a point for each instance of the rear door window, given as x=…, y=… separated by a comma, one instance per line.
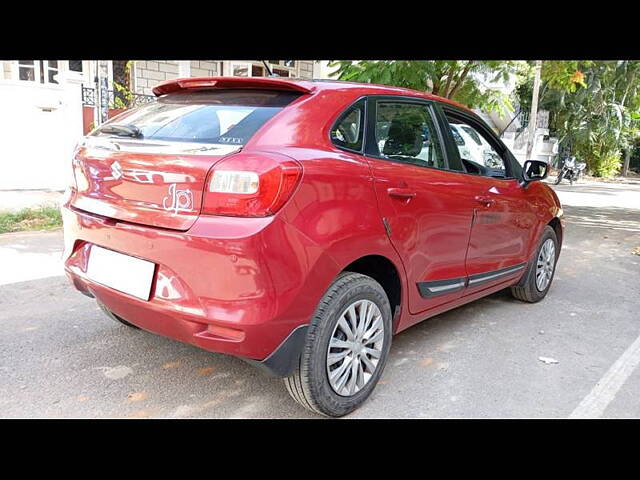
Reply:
x=406, y=132
x=228, y=117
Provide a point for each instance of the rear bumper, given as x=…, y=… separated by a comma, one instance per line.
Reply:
x=218, y=286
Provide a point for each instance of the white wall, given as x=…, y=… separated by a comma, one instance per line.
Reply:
x=39, y=127
x=321, y=70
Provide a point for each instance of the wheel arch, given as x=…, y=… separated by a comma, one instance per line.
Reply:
x=557, y=228
x=385, y=272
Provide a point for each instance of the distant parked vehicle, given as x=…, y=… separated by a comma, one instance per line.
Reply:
x=571, y=170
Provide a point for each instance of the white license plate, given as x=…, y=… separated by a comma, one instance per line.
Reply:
x=121, y=272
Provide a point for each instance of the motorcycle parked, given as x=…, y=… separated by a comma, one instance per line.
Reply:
x=571, y=170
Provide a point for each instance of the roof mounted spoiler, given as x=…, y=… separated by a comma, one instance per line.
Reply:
x=200, y=83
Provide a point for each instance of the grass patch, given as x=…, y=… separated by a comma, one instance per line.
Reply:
x=41, y=218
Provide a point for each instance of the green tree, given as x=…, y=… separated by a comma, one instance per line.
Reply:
x=565, y=75
x=598, y=115
x=121, y=85
x=556, y=75
x=460, y=80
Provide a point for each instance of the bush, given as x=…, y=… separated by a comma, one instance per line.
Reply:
x=607, y=165
x=601, y=159
x=41, y=218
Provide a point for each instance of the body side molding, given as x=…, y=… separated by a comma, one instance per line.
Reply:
x=442, y=287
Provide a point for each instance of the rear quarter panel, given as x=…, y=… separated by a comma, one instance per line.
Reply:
x=335, y=208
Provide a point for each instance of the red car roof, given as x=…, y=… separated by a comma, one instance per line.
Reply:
x=303, y=86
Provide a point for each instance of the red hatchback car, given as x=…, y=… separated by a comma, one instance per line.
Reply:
x=300, y=224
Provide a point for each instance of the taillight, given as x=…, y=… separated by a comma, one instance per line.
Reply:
x=250, y=185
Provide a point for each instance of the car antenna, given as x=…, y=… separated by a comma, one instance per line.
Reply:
x=266, y=65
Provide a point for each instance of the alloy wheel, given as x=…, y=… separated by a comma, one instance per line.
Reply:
x=355, y=347
x=545, y=264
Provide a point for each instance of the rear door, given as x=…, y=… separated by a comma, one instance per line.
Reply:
x=502, y=214
x=150, y=165
x=423, y=203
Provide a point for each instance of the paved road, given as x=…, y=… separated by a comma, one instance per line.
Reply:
x=60, y=357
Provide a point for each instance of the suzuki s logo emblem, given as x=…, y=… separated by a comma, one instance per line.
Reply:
x=178, y=200
x=116, y=170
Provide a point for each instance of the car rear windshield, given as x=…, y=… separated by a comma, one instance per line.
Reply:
x=228, y=117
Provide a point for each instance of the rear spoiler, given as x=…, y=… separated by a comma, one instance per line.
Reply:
x=200, y=83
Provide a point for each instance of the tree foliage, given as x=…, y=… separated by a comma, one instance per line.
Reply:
x=594, y=105
x=466, y=81
x=565, y=75
x=595, y=109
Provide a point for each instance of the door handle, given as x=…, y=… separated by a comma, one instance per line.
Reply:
x=401, y=193
x=486, y=201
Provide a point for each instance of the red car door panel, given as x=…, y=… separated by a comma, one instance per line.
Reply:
x=503, y=217
x=429, y=224
x=423, y=205
x=501, y=225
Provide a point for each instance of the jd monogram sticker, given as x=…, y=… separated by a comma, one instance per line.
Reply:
x=178, y=200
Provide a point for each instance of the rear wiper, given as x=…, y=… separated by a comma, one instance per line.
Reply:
x=122, y=130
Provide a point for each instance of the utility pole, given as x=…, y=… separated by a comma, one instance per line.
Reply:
x=96, y=84
x=533, y=116
x=102, y=92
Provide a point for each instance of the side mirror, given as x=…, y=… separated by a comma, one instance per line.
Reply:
x=534, y=170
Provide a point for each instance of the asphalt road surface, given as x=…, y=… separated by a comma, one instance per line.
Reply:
x=61, y=357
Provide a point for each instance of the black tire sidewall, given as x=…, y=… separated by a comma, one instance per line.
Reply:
x=115, y=317
x=531, y=280
x=329, y=401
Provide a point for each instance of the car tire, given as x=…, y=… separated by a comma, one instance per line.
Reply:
x=115, y=317
x=315, y=384
x=528, y=289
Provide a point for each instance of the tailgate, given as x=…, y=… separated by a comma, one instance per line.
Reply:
x=149, y=165
x=158, y=189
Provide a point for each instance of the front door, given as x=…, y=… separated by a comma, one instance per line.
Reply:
x=502, y=215
x=423, y=204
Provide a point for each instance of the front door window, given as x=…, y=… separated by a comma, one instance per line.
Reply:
x=477, y=154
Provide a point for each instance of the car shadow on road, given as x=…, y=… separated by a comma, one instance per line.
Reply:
x=617, y=218
x=590, y=189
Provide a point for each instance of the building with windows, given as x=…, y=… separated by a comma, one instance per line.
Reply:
x=144, y=75
x=47, y=105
